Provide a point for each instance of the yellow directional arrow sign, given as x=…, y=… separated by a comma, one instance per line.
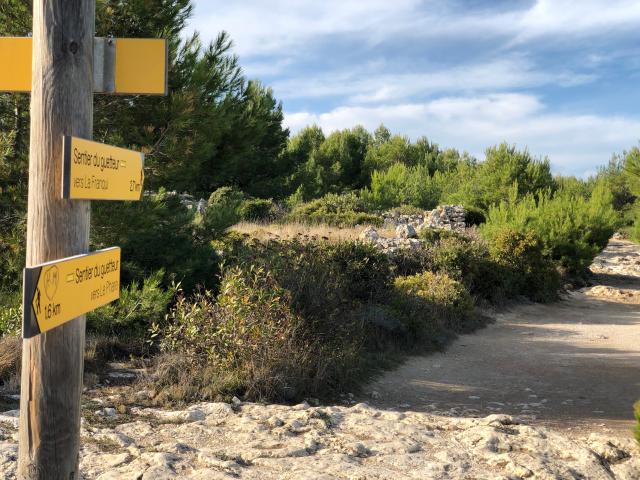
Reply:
x=124, y=66
x=59, y=291
x=95, y=171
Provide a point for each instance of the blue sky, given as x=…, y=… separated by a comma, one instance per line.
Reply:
x=560, y=77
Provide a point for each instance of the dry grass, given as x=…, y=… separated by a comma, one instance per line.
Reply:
x=99, y=351
x=10, y=356
x=300, y=231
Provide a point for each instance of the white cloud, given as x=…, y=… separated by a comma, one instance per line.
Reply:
x=278, y=26
x=372, y=87
x=290, y=27
x=574, y=143
x=561, y=18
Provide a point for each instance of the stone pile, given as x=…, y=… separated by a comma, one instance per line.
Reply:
x=447, y=217
x=393, y=245
x=407, y=227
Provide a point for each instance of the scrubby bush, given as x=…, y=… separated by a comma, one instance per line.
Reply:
x=139, y=306
x=494, y=271
x=12, y=252
x=572, y=229
x=10, y=356
x=337, y=210
x=223, y=211
x=460, y=257
x=257, y=209
x=10, y=316
x=433, y=301
x=256, y=342
x=526, y=270
x=293, y=319
x=227, y=206
x=322, y=277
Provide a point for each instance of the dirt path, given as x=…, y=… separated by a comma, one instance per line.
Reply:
x=573, y=364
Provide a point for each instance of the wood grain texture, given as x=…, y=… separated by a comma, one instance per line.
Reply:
x=52, y=363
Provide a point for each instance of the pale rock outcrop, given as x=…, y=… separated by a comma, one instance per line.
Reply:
x=268, y=442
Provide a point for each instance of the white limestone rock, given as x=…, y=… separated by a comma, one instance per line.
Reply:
x=406, y=231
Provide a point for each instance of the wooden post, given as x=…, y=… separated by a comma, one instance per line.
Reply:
x=52, y=363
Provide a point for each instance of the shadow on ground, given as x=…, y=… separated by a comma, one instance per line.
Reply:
x=571, y=363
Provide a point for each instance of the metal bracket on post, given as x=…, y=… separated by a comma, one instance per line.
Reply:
x=104, y=65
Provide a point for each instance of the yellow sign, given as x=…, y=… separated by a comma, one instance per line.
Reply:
x=95, y=171
x=132, y=66
x=15, y=64
x=141, y=66
x=59, y=291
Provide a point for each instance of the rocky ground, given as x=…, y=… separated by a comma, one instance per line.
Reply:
x=544, y=393
x=249, y=441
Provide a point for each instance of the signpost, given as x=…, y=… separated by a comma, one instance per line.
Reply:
x=95, y=171
x=122, y=66
x=59, y=291
x=62, y=66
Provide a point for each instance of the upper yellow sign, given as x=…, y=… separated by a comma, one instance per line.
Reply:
x=94, y=171
x=131, y=66
x=141, y=66
x=59, y=291
x=15, y=64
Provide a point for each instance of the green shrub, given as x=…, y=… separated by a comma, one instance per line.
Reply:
x=254, y=209
x=256, y=342
x=460, y=257
x=463, y=257
x=364, y=272
x=322, y=277
x=139, y=306
x=431, y=302
x=288, y=319
x=12, y=253
x=223, y=211
x=572, y=229
x=525, y=268
x=338, y=210
x=10, y=315
x=227, y=206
